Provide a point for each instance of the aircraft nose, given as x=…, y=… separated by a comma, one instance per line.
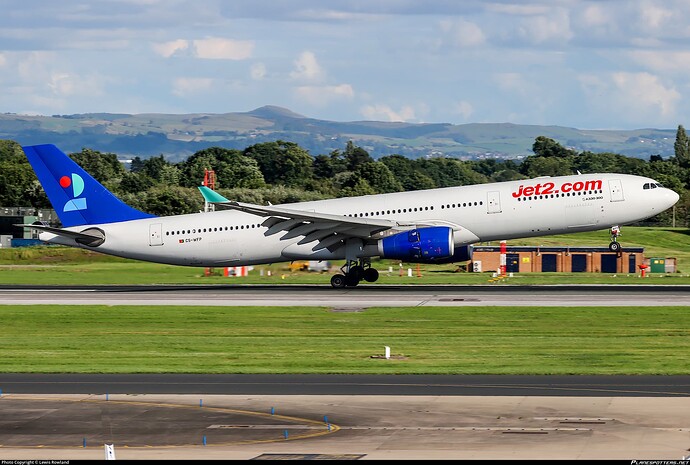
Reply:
x=672, y=197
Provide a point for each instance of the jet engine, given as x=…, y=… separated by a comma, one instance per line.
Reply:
x=424, y=245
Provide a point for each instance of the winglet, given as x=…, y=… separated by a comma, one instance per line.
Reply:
x=211, y=196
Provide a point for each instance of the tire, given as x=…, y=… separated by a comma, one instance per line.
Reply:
x=338, y=281
x=357, y=272
x=371, y=275
x=614, y=247
x=351, y=280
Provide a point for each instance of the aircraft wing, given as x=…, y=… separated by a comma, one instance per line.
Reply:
x=327, y=228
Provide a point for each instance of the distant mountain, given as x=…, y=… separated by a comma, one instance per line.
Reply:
x=178, y=136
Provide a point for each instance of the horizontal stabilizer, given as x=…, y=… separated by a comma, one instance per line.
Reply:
x=92, y=237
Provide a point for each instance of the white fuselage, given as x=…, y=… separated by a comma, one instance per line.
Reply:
x=484, y=212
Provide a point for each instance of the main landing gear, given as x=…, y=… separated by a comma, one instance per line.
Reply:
x=355, y=271
x=614, y=246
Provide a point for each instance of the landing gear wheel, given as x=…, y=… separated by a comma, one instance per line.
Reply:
x=351, y=280
x=338, y=280
x=357, y=272
x=371, y=275
x=614, y=247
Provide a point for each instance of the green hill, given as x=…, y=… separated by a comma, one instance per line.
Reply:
x=177, y=136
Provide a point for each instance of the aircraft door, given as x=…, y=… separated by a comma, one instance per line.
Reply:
x=156, y=234
x=616, y=190
x=493, y=202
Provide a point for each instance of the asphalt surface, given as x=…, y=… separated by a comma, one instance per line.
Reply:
x=347, y=385
x=344, y=417
x=358, y=297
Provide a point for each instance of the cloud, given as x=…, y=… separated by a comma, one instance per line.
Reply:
x=168, y=49
x=644, y=91
x=322, y=95
x=257, y=71
x=223, y=49
x=3, y=60
x=595, y=15
x=512, y=82
x=462, y=33
x=545, y=29
x=307, y=68
x=186, y=86
x=464, y=109
x=663, y=61
x=653, y=16
x=385, y=113
x=633, y=98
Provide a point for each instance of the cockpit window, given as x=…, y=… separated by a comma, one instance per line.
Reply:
x=651, y=185
x=646, y=186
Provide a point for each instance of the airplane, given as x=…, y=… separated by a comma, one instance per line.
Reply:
x=427, y=226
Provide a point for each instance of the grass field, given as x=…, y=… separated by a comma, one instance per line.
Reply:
x=441, y=340
x=67, y=266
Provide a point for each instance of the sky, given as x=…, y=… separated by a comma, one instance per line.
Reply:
x=609, y=64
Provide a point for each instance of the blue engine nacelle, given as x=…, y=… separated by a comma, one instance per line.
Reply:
x=424, y=245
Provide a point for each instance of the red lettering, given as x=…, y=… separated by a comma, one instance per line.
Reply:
x=548, y=188
x=593, y=185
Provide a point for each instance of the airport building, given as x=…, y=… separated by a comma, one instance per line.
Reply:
x=531, y=259
x=15, y=236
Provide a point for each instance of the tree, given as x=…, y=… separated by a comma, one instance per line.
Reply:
x=355, y=156
x=17, y=178
x=327, y=166
x=231, y=167
x=546, y=166
x=358, y=187
x=154, y=167
x=378, y=177
x=681, y=148
x=137, y=165
x=101, y=166
x=448, y=172
x=545, y=147
x=171, y=200
x=283, y=163
x=134, y=182
x=406, y=173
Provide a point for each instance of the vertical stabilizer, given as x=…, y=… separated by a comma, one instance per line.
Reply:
x=77, y=197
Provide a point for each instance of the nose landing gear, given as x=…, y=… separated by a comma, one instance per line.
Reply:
x=615, y=246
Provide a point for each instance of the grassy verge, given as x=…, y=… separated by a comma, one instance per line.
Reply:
x=68, y=266
x=443, y=340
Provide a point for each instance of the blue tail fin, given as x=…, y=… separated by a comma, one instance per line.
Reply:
x=77, y=198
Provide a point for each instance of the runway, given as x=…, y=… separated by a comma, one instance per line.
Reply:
x=358, y=297
x=347, y=385
x=346, y=417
